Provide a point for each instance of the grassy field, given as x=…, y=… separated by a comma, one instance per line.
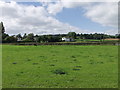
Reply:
x=60, y=66
x=0, y=66
x=92, y=40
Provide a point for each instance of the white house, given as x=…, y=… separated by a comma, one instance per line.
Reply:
x=19, y=39
x=67, y=39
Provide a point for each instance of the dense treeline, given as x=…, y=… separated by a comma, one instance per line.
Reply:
x=50, y=38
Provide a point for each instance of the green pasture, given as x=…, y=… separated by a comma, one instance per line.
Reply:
x=0, y=66
x=62, y=66
x=94, y=40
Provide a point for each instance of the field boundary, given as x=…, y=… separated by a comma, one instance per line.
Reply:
x=59, y=88
x=65, y=43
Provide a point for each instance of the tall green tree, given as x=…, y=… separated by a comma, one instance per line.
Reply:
x=3, y=35
x=24, y=36
x=10, y=39
x=30, y=37
x=117, y=35
x=72, y=35
x=19, y=36
x=2, y=29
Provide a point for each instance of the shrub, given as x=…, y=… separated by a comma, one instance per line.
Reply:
x=73, y=57
x=76, y=69
x=14, y=63
x=59, y=71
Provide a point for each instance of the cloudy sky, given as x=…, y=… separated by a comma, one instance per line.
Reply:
x=59, y=17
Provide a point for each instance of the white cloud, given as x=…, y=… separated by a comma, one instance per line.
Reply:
x=105, y=14
x=58, y=6
x=55, y=8
x=111, y=32
x=71, y=4
x=19, y=18
x=63, y=0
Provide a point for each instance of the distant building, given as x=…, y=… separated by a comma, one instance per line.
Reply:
x=67, y=39
x=117, y=44
x=19, y=39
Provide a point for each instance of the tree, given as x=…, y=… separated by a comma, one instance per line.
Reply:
x=2, y=29
x=30, y=37
x=117, y=35
x=36, y=38
x=52, y=38
x=72, y=35
x=19, y=36
x=44, y=38
x=4, y=35
x=10, y=39
x=24, y=36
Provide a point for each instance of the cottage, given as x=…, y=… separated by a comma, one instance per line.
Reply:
x=19, y=39
x=68, y=39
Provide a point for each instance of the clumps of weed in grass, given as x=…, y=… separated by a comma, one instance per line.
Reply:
x=17, y=75
x=35, y=63
x=73, y=57
x=14, y=63
x=52, y=65
x=45, y=61
x=91, y=62
x=37, y=75
x=100, y=55
x=54, y=51
x=42, y=56
x=78, y=66
x=22, y=85
x=111, y=60
x=55, y=60
x=28, y=59
x=76, y=69
x=21, y=72
x=75, y=60
x=100, y=62
x=59, y=71
x=71, y=80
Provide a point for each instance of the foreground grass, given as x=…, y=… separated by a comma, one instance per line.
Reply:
x=0, y=66
x=60, y=66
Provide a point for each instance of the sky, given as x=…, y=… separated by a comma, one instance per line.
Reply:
x=59, y=17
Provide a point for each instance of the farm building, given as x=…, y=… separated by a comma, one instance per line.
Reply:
x=67, y=39
x=19, y=39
